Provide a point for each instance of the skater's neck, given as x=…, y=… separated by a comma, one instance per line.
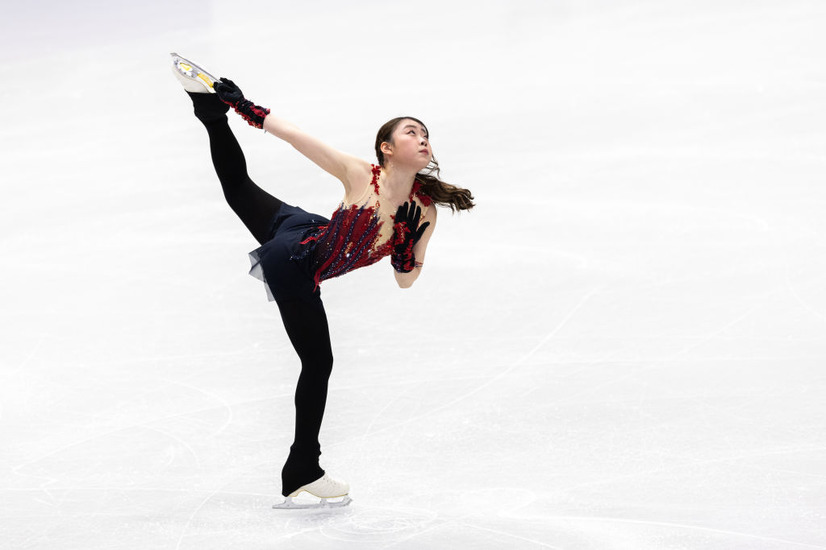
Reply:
x=398, y=180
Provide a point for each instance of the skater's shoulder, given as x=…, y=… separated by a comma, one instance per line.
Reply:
x=359, y=176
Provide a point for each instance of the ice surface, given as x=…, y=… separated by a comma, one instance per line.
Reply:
x=622, y=347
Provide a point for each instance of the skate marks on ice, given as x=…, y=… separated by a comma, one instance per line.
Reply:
x=423, y=521
x=602, y=532
x=371, y=431
x=357, y=524
x=464, y=519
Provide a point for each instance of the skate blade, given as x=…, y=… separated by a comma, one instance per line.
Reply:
x=290, y=503
x=191, y=71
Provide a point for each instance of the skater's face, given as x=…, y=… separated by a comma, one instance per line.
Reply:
x=409, y=145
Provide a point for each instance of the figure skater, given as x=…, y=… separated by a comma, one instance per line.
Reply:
x=388, y=210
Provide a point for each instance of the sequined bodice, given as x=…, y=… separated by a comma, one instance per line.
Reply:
x=358, y=235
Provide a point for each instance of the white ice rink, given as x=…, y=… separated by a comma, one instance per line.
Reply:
x=623, y=347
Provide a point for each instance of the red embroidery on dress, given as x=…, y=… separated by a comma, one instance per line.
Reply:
x=417, y=194
x=376, y=174
x=314, y=237
x=350, y=240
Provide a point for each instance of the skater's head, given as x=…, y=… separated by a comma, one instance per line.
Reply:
x=404, y=141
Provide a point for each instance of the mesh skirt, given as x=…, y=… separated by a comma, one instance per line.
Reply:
x=280, y=263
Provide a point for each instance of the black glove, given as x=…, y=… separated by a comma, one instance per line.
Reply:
x=407, y=233
x=231, y=94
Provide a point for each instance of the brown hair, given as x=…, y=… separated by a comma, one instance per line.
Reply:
x=442, y=193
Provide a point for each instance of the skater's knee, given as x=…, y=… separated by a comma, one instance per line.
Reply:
x=325, y=365
x=319, y=364
x=236, y=188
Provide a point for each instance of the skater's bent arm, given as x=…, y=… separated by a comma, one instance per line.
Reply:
x=405, y=280
x=343, y=166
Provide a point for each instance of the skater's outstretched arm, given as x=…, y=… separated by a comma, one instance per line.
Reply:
x=347, y=168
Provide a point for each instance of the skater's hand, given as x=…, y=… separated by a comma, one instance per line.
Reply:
x=407, y=223
x=407, y=234
x=228, y=92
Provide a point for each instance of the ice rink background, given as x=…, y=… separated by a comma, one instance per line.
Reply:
x=621, y=347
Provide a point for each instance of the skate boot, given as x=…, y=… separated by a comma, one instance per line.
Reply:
x=208, y=108
x=331, y=492
x=193, y=77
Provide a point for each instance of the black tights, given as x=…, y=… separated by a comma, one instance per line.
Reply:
x=304, y=320
x=253, y=205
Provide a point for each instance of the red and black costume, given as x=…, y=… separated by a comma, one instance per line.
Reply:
x=356, y=235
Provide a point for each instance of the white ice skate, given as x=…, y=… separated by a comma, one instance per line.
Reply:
x=193, y=77
x=327, y=489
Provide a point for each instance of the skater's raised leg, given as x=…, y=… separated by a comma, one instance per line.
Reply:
x=255, y=207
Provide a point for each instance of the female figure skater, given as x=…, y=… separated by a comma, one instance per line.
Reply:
x=388, y=210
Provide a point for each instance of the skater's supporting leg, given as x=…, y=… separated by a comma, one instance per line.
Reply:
x=306, y=324
x=253, y=205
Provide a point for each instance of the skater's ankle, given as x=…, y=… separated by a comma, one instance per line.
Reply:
x=208, y=108
x=212, y=120
x=292, y=481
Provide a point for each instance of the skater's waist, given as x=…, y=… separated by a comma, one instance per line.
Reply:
x=295, y=219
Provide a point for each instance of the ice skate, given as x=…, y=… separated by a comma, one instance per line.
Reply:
x=331, y=492
x=193, y=77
